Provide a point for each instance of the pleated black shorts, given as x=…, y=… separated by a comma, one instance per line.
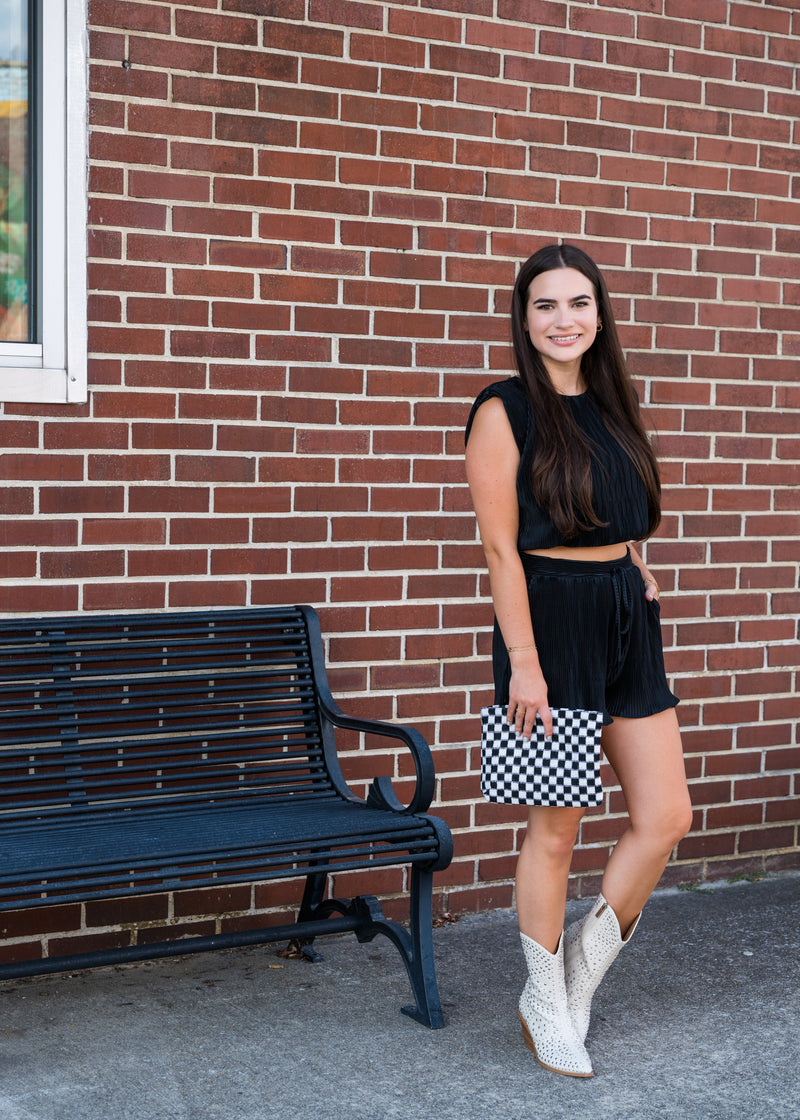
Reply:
x=598, y=637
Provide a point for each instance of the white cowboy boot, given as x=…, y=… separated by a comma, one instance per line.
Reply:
x=546, y=1023
x=591, y=945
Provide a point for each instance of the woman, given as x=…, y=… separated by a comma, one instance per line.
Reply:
x=563, y=479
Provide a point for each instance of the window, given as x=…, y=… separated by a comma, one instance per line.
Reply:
x=43, y=200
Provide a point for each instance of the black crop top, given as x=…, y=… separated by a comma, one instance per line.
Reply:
x=619, y=496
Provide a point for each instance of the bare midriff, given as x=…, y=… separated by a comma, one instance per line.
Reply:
x=602, y=552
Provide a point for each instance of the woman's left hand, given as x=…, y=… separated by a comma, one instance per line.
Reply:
x=651, y=588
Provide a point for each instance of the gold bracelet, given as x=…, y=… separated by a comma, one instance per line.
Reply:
x=516, y=649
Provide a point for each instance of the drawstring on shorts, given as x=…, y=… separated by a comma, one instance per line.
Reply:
x=623, y=611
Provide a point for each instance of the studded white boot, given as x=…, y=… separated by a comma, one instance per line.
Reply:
x=546, y=1023
x=591, y=945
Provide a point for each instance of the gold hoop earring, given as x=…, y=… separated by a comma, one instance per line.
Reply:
x=599, y=327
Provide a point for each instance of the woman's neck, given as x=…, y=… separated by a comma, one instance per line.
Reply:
x=567, y=382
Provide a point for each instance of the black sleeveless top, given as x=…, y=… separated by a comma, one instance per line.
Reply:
x=619, y=496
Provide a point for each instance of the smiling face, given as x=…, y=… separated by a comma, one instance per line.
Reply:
x=561, y=318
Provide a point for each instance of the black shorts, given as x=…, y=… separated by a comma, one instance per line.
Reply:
x=598, y=638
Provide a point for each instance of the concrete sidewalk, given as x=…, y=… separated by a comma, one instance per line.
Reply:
x=699, y=1020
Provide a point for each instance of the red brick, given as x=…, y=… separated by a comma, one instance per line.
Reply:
x=148, y=247
x=168, y=499
x=165, y=374
x=207, y=282
x=169, y=54
x=285, y=469
x=33, y=598
x=146, y=908
x=349, y=76
x=272, y=592
x=132, y=16
x=214, y=221
x=82, y=499
x=767, y=839
x=385, y=173
x=104, y=309
x=106, y=114
x=133, y=530
x=124, y=595
x=126, y=341
x=210, y=344
x=16, y=501
x=217, y=28
x=238, y=437
x=724, y=41
x=463, y=60
x=82, y=564
x=167, y=562
x=217, y=158
x=168, y=121
x=338, y=138
x=425, y=25
x=184, y=313
x=127, y=278
x=250, y=317
x=37, y=533
x=18, y=565
x=255, y=129
x=16, y=433
x=125, y=148
x=248, y=561
x=105, y=180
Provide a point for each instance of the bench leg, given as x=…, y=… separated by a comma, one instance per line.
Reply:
x=416, y=947
x=313, y=896
x=423, y=976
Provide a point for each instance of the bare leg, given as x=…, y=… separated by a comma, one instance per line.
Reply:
x=543, y=872
x=647, y=758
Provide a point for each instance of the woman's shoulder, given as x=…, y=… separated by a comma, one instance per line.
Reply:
x=512, y=393
x=510, y=388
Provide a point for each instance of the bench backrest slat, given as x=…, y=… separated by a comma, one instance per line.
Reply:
x=142, y=708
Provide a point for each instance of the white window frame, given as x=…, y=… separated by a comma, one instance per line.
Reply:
x=54, y=370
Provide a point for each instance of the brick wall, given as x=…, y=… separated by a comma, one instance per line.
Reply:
x=306, y=217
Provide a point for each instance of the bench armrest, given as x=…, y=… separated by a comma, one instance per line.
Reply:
x=381, y=792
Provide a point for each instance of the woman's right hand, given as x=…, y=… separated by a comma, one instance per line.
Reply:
x=527, y=697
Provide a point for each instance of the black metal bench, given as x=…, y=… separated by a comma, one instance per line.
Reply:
x=160, y=752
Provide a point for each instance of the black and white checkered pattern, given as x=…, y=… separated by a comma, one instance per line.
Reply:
x=564, y=772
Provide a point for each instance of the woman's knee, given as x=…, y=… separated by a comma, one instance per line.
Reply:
x=669, y=826
x=554, y=832
x=683, y=819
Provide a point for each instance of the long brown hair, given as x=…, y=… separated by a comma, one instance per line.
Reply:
x=562, y=463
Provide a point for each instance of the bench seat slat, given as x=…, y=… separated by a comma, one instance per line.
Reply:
x=206, y=845
x=271, y=821
x=245, y=871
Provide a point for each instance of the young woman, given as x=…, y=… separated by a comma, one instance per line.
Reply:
x=563, y=479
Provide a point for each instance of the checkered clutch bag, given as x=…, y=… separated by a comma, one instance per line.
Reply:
x=564, y=772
